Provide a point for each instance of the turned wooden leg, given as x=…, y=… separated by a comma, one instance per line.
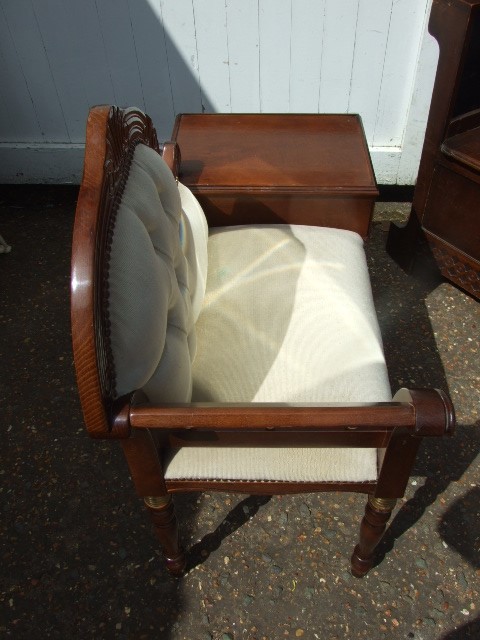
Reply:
x=372, y=528
x=163, y=515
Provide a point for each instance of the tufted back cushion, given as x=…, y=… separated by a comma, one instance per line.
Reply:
x=157, y=276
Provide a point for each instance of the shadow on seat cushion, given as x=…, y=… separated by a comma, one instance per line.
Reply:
x=288, y=317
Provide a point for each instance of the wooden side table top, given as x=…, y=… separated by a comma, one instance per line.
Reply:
x=310, y=153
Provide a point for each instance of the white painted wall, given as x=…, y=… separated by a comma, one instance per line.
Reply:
x=59, y=57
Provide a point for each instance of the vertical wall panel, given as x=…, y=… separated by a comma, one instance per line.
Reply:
x=59, y=57
x=87, y=62
x=35, y=65
x=306, y=41
x=412, y=142
x=274, y=32
x=75, y=54
x=406, y=28
x=19, y=121
x=9, y=128
x=212, y=49
x=369, y=58
x=243, y=55
x=179, y=24
x=339, y=32
x=63, y=47
x=116, y=27
x=151, y=50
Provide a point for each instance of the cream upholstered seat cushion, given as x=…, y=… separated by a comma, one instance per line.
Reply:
x=288, y=317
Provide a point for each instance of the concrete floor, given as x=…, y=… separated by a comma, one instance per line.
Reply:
x=79, y=557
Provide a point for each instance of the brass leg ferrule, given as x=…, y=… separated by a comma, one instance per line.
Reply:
x=384, y=505
x=157, y=502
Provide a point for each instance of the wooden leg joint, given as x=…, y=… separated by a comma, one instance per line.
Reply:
x=372, y=528
x=163, y=516
x=157, y=502
x=383, y=505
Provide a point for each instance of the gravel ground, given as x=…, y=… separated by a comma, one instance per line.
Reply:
x=79, y=556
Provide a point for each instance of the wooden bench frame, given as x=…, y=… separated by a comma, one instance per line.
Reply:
x=144, y=429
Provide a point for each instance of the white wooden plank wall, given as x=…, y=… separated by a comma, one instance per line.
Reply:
x=339, y=30
x=58, y=57
x=243, y=55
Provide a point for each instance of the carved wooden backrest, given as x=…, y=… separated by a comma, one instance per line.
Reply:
x=112, y=136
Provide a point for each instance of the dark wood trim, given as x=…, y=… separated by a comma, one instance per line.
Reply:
x=274, y=438
x=464, y=148
x=372, y=528
x=83, y=276
x=144, y=463
x=464, y=122
x=267, y=488
x=347, y=191
x=162, y=513
x=171, y=155
x=355, y=417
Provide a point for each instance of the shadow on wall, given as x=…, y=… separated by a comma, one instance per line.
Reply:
x=74, y=55
x=71, y=56
x=164, y=77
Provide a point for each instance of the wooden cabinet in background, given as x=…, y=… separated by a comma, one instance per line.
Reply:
x=446, y=202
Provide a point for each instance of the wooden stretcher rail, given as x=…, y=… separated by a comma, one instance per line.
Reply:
x=277, y=438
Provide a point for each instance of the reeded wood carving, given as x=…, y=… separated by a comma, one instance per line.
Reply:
x=112, y=135
x=125, y=129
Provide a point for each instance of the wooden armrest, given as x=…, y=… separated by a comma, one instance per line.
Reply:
x=422, y=412
x=254, y=417
x=434, y=412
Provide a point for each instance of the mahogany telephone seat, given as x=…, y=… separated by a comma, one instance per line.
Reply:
x=241, y=358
